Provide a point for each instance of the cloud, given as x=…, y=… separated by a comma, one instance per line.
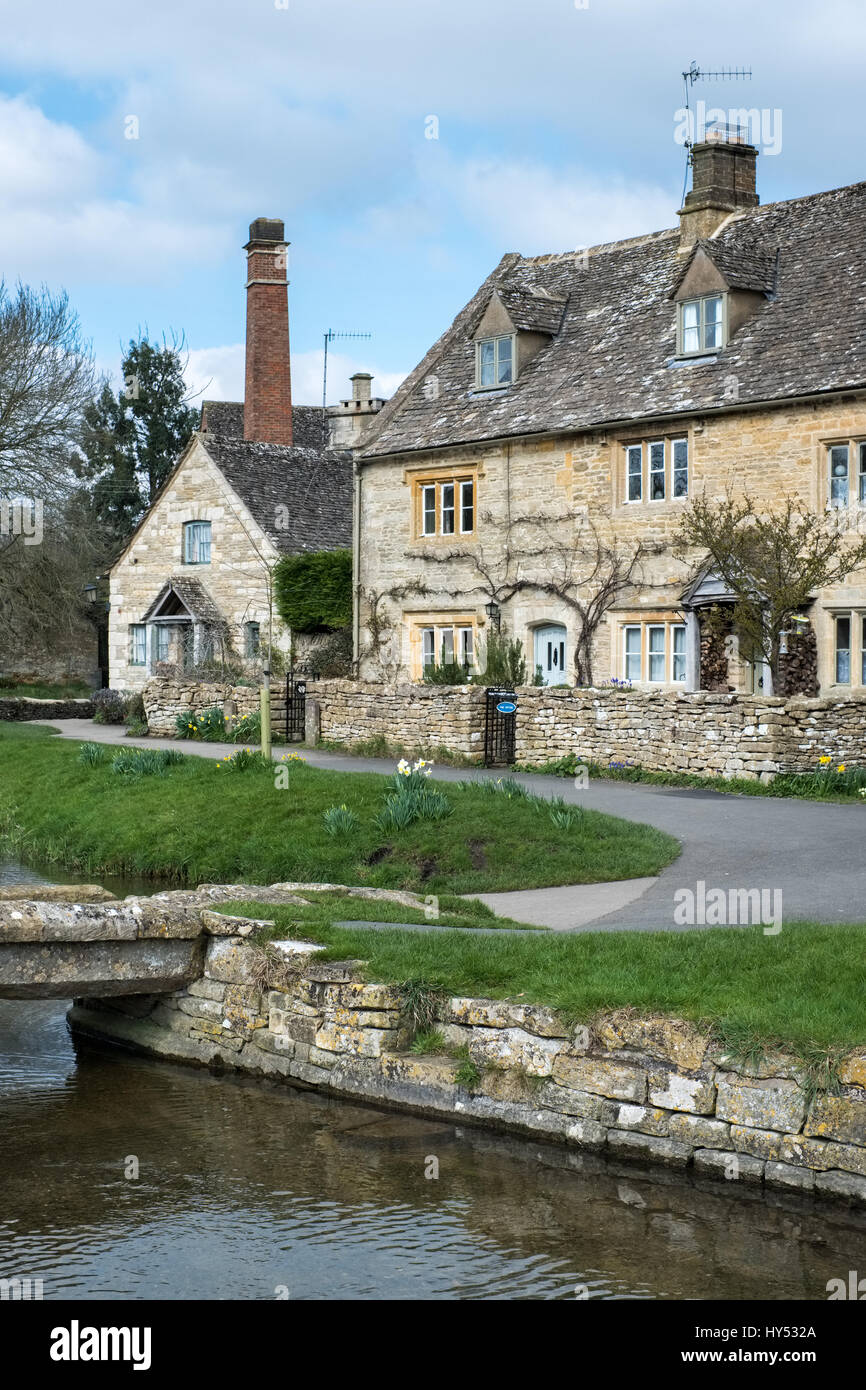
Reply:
x=217, y=374
x=534, y=209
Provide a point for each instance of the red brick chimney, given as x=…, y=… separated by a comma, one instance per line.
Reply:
x=268, y=384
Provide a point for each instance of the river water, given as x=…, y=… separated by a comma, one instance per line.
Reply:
x=250, y=1190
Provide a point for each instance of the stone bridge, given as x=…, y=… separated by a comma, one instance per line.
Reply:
x=60, y=942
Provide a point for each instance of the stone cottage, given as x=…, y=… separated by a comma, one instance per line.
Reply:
x=531, y=472
x=259, y=479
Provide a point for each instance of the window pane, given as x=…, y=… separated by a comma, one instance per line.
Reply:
x=680, y=448
x=467, y=646
x=429, y=496
x=656, y=651
x=467, y=506
x=839, y=475
x=691, y=340
x=863, y=472
x=428, y=645
x=632, y=653
x=712, y=322
x=446, y=645
x=447, y=509
x=691, y=314
x=486, y=354
x=162, y=643
x=635, y=468
x=678, y=658
x=138, y=654
x=843, y=651
x=504, y=366
x=657, y=472
x=863, y=651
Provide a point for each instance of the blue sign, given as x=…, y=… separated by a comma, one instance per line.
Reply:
x=506, y=707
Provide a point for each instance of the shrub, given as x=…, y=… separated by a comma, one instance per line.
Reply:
x=449, y=673
x=109, y=706
x=313, y=592
x=136, y=728
x=504, y=662
x=339, y=820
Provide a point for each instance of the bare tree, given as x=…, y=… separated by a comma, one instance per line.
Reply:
x=773, y=562
x=46, y=382
x=572, y=559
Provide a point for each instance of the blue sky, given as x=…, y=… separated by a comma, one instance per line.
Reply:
x=555, y=130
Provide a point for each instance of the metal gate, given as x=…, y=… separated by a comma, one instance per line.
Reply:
x=499, y=725
x=296, y=709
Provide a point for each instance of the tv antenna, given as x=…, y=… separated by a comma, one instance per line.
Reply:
x=330, y=337
x=695, y=74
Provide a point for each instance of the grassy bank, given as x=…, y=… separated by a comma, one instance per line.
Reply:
x=25, y=690
x=201, y=821
x=829, y=781
x=802, y=989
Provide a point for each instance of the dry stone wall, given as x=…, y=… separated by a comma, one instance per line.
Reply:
x=26, y=709
x=734, y=735
x=654, y=1090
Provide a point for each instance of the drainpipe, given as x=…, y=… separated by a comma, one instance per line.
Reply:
x=356, y=566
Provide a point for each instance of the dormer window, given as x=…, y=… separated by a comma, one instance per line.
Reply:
x=494, y=361
x=701, y=325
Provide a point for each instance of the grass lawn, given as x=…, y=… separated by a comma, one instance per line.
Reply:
x=802, y=989
x=202, y=822
x=75, y=690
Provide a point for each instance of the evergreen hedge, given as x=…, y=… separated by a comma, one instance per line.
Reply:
x=313, y=593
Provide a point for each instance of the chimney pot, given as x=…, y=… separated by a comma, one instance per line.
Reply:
x=361, y=386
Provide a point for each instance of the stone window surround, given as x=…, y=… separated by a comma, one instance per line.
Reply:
x=644, y=621
x=856, y=446
x=436, y=477
x=415, y=623
x=622, y=443
x=856, y=614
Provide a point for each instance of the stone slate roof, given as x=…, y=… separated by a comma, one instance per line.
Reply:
x=613, y=359
x=743, y=267
x=226, y=419
x=194, y=597
x=314, y=484
x=534, y=309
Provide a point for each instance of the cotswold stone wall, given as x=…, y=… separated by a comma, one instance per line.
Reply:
x=713, y=734
x=655, y=1090
x=18, y=709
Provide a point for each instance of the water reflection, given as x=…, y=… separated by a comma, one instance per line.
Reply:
x=245, y=1187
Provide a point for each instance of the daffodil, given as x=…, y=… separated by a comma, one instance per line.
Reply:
x=824, y=760
x=841, y=767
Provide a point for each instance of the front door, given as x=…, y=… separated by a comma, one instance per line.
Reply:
x=550, y=645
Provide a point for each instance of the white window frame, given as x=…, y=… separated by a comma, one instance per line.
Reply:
x=678, y=628
x=466, y=646
x=443, y=509
x=837, y=650
x=629, y=450
x=137, y=633
x=428, y=649
x=627, y=628
x=467, y=483
x=428, y=489
x=495, y=384
x=654, y=472
x=194, y=534
x=684, y=440
x=650, y=654
x=702, y=325
x=841, y=503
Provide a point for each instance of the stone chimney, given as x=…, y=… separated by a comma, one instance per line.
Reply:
x=723, y=181
x=268, y=382
x=361, y=389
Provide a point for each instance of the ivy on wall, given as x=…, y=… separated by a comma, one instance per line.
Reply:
x=313, y=593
